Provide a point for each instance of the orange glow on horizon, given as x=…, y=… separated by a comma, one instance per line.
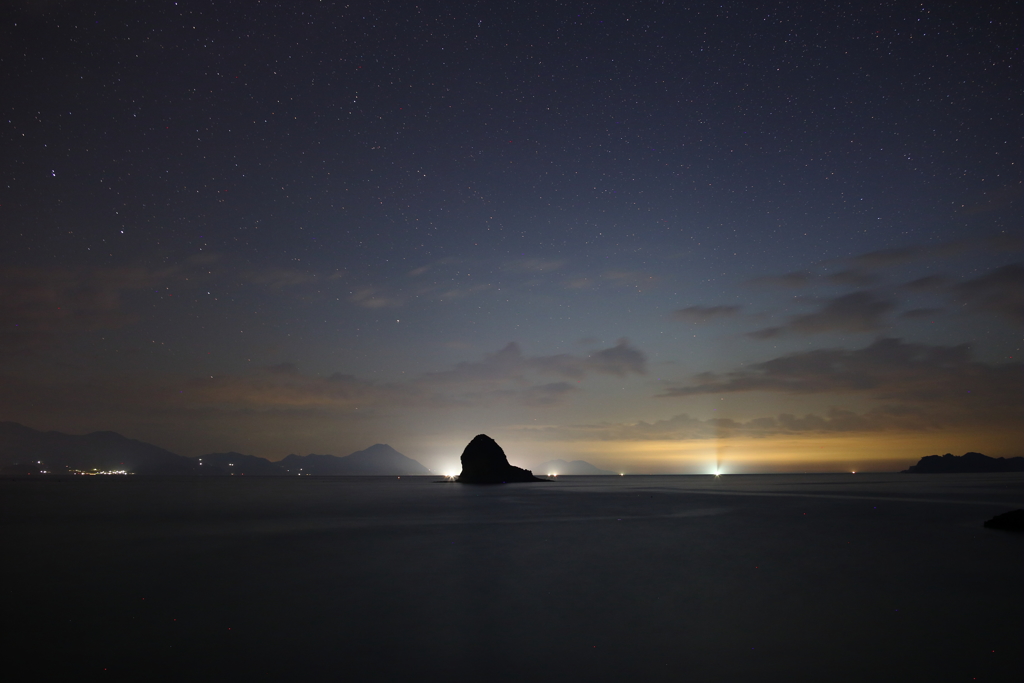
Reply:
x=867, y=452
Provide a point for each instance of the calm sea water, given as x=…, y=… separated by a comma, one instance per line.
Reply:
x=758, y=577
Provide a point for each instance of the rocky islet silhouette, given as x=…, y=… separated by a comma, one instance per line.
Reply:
x=484, y=462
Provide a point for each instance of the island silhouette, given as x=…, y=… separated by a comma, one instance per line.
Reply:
x=1008, y=521
x=964, y=464
x=484, y=462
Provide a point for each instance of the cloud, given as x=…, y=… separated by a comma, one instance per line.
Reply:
x=579, y=283
x=283, y=386
x=511, y=365
x=994, y=200
x=884, y=258
x=794, y=280
x=1000, y=291
x=633, y=279
x=510, y=375
x=684, y=427
x=888, y=257
x=860, y=311
x=203, y=258
x=283, y=369
x=927, y=283
x=703, y=314
x=458, y=292
x=505, y=364
x=620, y=360
x=887, y=370
x=279, y=278
x=915, y=313
x=855, y=312
x=39, y=304
x=534, y=265
x=369, y=297
x=852, y=278
x=766, y=333
x=547, y=394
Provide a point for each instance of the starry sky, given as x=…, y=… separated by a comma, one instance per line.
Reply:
x=658, y=236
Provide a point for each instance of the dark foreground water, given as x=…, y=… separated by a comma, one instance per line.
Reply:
x=745, y=578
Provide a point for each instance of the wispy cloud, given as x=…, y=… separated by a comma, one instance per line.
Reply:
x=852, y=278
x=855, y=312
x=370, y=297
x=510, y=364
x=684, y=427
x=888, y=257
x=534, y=265
x=928, y=283
x=794, y=280
x=507, y=375
x=621, y=359
x=279, y=278
x=703, y=314
x=916, y=313
x=861, y=311
x=633, y=279
x=38, y=304
x=887, y=370
x=1000, y=291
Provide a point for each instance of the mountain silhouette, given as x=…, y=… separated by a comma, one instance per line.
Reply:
x=966, y=463
x=573, y=467
x=237, y=464
x=26, y=451
x=484, y=462
x=378, y=459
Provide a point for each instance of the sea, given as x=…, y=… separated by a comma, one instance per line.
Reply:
x=787, y=577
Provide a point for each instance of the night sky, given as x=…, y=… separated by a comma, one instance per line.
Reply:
x=658, y=236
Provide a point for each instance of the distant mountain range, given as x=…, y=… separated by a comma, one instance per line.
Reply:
x=378, y=459
x=27, y=451
x=966, y=463
x=563, y=467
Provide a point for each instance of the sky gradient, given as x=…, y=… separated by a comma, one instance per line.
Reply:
x=657, y=237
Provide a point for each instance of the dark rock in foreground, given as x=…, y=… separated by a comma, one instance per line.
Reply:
x=966, y=463
x=483, y=462
x=1008, y=521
